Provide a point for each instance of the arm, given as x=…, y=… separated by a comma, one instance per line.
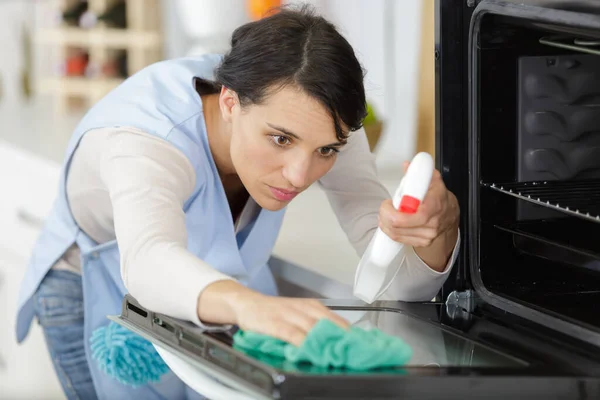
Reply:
x=148, y=181
x=356, y=196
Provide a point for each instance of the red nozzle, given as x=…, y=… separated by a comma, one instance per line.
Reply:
x=409, y=204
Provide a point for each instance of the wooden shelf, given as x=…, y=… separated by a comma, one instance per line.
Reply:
x=136, y=46
x=79, y=90
x=104, y=37
x=78, y=86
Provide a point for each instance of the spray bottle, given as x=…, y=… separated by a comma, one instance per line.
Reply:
x=382, y=258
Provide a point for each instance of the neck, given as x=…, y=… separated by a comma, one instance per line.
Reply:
x=219, y=136
x=219, y=139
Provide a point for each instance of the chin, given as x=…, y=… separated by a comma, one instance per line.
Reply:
x=269, y=203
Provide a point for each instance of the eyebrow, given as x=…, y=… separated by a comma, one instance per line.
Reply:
x=287, y=132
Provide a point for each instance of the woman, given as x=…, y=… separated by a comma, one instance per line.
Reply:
x=175, y=186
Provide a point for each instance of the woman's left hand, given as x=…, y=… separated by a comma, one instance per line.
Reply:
x=432, y=230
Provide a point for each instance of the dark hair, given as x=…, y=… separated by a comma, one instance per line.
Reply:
x=296, y=47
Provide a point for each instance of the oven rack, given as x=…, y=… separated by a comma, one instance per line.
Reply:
x=561, y=239
x=577, y=198
x=588, y=46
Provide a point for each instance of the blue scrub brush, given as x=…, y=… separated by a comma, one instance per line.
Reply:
x=126, y=356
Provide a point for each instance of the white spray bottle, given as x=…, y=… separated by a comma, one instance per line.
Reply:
x=382, y=258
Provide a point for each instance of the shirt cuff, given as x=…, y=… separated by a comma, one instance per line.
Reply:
x=448, y=267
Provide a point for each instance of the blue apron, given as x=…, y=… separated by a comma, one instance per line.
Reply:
x=160, y=100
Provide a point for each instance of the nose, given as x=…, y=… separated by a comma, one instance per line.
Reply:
x=297, y=170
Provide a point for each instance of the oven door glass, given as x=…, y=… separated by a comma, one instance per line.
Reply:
x=432, y=346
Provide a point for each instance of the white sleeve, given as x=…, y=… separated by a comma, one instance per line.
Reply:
x=355, y=194
x=148, y=181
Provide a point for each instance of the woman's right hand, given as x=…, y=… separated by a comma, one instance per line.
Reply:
x=285, y=318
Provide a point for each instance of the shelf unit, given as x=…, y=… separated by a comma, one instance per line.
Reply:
x=141, y=41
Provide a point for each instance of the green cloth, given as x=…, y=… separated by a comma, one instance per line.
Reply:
x=328, y=345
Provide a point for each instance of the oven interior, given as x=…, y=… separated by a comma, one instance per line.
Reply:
x=536, y=157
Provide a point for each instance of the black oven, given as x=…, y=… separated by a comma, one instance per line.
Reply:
x=518, y=142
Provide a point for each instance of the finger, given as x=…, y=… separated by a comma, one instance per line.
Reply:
x=297, y=316
x=338, y=320
x=426, y=233
x=405, y=165
x=388, y=214
x=432, y=204
x=417, y=242
x=289, y=333
x=317, y=310
x=421, y=236
x=414, y=241
x=392, y=218
x=435, y=200
x=436, y=190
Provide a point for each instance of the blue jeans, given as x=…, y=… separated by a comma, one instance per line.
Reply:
x=59, y=309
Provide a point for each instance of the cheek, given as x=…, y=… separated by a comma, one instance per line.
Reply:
x=263, y=158
x=252, y=155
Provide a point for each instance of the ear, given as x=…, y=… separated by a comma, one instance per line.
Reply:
x=227, y=101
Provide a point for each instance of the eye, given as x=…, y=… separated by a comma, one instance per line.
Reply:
x=328, y=151
x=280, y=140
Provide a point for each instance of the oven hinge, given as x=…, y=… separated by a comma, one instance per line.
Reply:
x=461, y=304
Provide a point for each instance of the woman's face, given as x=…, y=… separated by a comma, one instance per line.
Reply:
x=279, y=148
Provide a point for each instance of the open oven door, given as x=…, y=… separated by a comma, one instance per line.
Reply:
x=456, y=354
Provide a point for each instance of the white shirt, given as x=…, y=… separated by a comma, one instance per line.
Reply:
x=126, y=184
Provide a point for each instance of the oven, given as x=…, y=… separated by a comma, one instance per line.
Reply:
x=518, y=142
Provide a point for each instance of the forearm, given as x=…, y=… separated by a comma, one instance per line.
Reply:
x=217, y=302
x=168, y=279
x=437, y=255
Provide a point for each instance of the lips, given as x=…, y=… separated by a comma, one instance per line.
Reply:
x=282, y=194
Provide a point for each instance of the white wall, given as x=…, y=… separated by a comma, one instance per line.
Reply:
x=400, y=141
x=385, y=34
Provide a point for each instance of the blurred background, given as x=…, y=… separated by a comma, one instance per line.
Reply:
x=58, y=57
